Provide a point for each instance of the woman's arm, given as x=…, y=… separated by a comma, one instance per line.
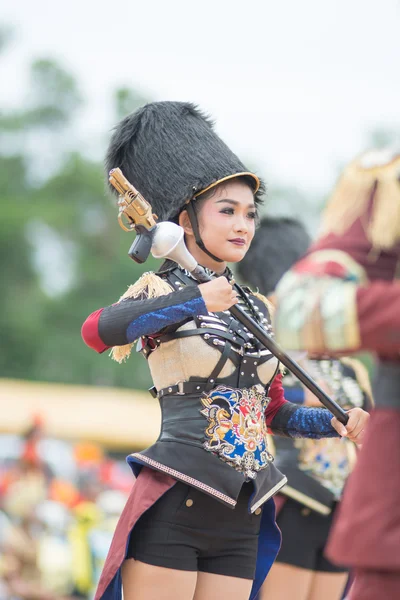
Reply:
x=286, y=419
x=289, y=420
x=124, y=322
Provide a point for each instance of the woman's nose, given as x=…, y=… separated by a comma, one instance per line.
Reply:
x=241, y=225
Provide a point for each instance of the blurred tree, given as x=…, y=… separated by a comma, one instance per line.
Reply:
x=53, y=98
x=62, y=252
x=381, y=137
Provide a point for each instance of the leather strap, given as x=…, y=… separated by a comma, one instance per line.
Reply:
x=201, y=331
x=182, y=388
x=195, y=226
x=218, y=367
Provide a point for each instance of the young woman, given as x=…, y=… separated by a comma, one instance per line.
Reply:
x=201, y=510
x=316, y=469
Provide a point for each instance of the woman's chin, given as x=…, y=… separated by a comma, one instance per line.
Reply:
x=232, y=255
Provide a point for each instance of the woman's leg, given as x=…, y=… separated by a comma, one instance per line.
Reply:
x=141, y=581
x=329, y=586
x=214, y=587
x=287, y=582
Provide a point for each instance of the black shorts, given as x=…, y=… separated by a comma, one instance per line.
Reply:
x=188, y=530
x=304, y=536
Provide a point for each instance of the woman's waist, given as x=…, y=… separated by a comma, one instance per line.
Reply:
x=190, y=405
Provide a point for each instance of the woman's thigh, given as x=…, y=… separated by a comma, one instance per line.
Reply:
x=329, y=586
x=141, y=581
x=214, y=587
x=287, y=582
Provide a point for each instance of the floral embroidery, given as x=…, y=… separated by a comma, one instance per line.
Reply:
x=236, y=430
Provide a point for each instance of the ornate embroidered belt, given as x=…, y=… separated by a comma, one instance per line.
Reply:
x=227, y=422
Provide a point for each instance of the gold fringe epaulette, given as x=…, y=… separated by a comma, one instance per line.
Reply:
x=149, y=285
x=268, y=304
x=350, y=199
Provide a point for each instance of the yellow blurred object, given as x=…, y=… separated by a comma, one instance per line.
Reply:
x=116, y=418
x=88, y=453
x=87, y=517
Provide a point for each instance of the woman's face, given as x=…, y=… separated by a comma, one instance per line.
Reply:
x=227, y=221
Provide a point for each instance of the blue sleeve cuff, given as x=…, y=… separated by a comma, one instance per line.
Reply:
x=311, y=423
x=152, y=322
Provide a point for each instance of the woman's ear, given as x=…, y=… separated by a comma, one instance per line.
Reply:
x=185, y=223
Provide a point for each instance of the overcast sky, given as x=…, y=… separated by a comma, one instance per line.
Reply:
x=295, y=87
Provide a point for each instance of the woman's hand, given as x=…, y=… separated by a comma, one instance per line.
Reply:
x=218, y=294
x=354, y=430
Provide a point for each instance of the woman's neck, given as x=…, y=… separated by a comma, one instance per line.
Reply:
x=204, y=260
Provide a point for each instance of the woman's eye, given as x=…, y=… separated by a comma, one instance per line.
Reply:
x=227, y=211
x=252, y=215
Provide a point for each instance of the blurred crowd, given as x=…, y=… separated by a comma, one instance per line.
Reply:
x=59, y=503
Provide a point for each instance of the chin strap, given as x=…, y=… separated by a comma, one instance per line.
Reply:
x=195, y=226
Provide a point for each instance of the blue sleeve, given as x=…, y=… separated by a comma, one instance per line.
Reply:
x=301, y=421
x=126, y=321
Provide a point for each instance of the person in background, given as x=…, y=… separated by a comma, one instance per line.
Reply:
x=316, y=469
x=343, y=297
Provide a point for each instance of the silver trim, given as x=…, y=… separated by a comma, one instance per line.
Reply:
x=208, y=317
x=271, y=492
x=180, y=387
x=218, y=326
x=182, y=477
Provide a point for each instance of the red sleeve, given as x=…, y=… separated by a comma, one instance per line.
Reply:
x=277, y=396
x=90, y=332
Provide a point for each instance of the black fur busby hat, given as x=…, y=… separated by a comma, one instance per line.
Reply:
x=170, y=152
x=278, y=243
